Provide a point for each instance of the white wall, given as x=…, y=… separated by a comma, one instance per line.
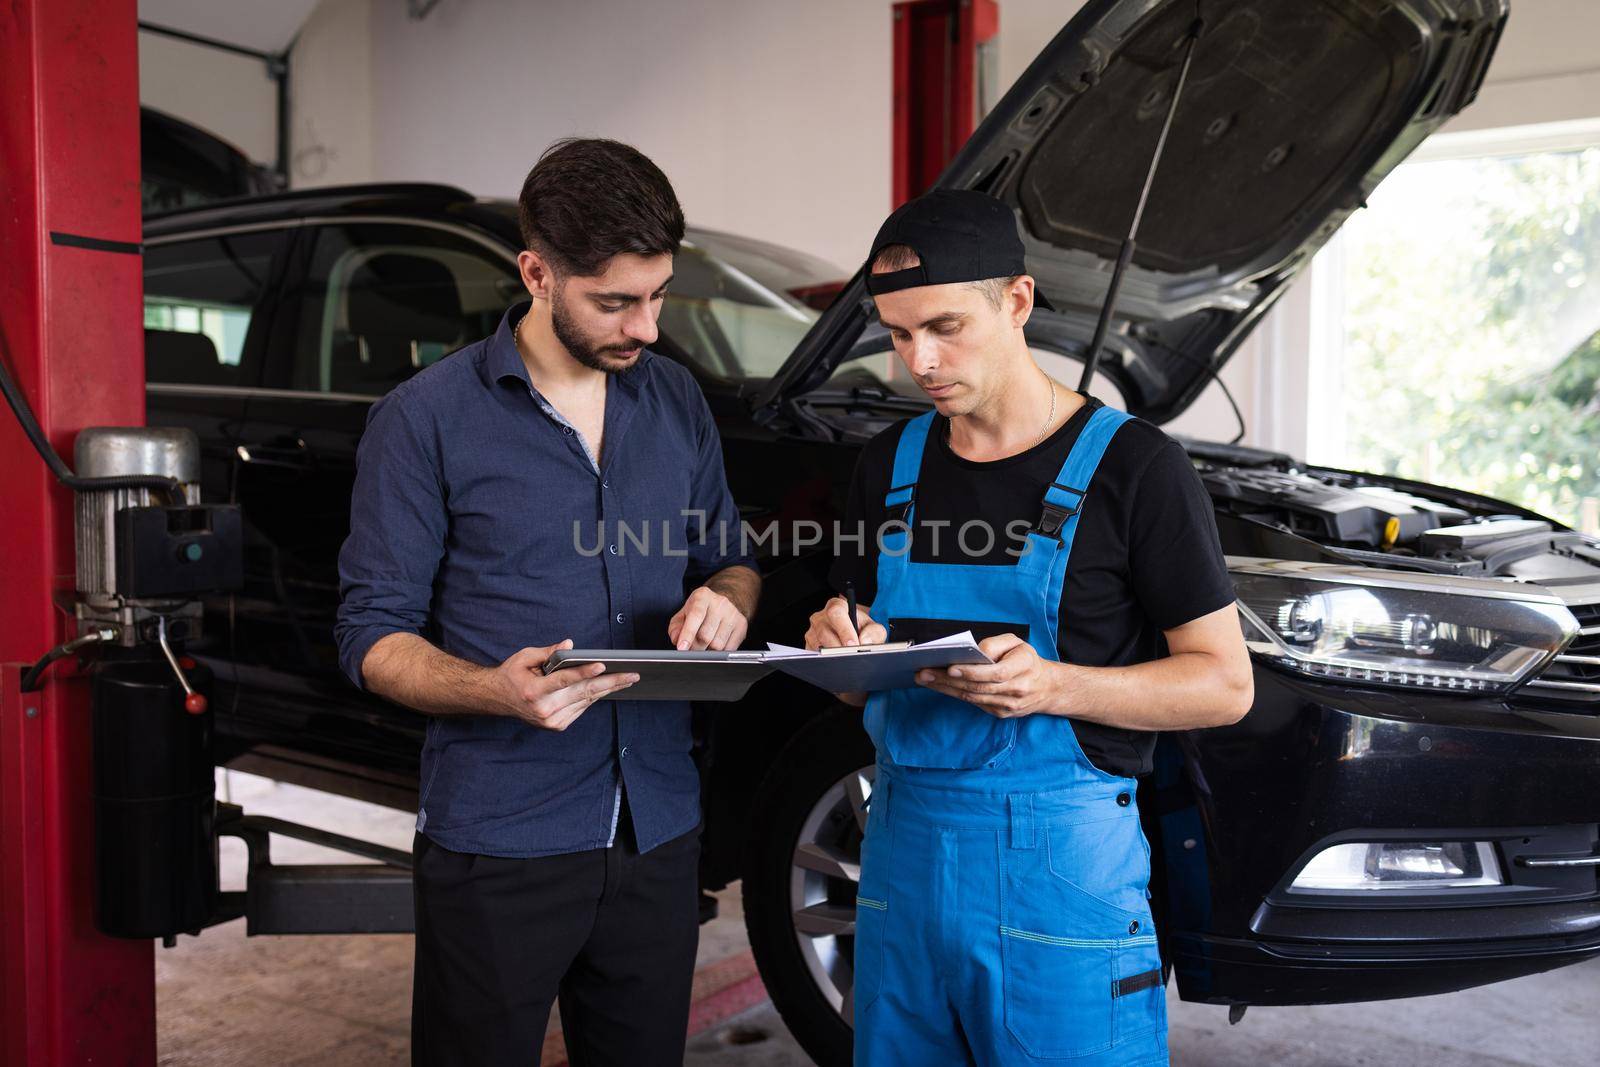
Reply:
x=771, y=119
x=1546, y=69
x=331, y=96
x=228, y=95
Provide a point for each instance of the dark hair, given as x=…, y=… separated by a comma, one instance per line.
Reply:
x=899, y=257
x=895, y=257
x=588, y=199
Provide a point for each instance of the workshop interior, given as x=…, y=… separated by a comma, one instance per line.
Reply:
x=1345, y=253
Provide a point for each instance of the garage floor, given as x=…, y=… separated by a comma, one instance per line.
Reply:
x=224, y=999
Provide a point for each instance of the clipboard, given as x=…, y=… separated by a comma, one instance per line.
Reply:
x=667, y=674
x=872, y=668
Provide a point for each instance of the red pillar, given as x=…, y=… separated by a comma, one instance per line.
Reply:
x=945, y=53
x=71, y=322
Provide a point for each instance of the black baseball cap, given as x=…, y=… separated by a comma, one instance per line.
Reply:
x=959, y=235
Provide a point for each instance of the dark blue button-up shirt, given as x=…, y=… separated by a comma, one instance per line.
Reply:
x=479, y=520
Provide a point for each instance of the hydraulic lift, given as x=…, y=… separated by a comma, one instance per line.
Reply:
x=108, y=815
x=71, y=323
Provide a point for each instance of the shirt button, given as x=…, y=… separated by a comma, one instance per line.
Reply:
x=567, y=430
x=613, y=550
x=619, y=616
x=624, y=751
x=605, y=485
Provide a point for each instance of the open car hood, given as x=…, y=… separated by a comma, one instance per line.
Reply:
x=1293, y=111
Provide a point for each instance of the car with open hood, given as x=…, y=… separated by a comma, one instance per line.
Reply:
x=1410, y=807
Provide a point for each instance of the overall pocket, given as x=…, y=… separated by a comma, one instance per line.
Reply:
x=923, y=728
x=1139, y=995
x=872, y=905
x=1058, y=993
x=1075, y=965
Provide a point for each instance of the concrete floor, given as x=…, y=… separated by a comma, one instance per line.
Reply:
x=224, y=999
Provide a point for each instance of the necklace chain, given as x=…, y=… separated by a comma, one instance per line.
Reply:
x=1048, y=419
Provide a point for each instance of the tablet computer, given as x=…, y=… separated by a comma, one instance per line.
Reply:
x=667, y=674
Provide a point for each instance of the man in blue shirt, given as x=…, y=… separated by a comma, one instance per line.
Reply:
x=554, y=485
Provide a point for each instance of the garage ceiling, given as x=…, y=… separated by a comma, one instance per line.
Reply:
x=263, y=27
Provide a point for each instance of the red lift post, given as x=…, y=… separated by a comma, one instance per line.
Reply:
x=946, y=76
x=70, y=315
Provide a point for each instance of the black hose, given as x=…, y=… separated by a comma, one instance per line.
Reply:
x=63, y=474
x=30, y=680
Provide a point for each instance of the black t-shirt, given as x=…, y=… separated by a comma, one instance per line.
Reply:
x=1146, y=556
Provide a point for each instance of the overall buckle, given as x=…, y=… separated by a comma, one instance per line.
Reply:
x=1053, y=516
x=897, y=510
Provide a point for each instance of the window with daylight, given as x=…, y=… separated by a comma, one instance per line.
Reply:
x=1462, y=343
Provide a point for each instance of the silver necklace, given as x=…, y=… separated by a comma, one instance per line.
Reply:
x=1048, y=419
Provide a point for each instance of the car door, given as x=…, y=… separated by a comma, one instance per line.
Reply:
x=370, y=303
x=209, y=300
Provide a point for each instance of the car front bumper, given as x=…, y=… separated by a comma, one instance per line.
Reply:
x=1235, y=812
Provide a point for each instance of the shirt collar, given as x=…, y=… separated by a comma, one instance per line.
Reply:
x=504, y=361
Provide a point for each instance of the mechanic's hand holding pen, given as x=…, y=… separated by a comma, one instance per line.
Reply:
x=835, y=626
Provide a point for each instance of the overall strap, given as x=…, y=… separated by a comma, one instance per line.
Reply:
x=1064, y=497
x=907, y=465
x=1057, y=527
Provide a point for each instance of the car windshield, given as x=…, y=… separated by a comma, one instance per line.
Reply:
x=736, y=321
x=787, y=270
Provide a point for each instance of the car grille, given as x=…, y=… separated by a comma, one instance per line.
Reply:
x=1572, y=678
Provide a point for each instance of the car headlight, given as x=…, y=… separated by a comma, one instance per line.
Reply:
x=1409, y=866
x=1385, y=628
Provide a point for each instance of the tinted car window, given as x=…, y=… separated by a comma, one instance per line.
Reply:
x=381, y=301
x=727, y=321
x=809, y=279
x=200, y=299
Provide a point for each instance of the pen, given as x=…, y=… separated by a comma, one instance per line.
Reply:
x=850, y=603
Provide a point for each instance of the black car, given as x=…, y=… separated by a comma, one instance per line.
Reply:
x=1411, y=805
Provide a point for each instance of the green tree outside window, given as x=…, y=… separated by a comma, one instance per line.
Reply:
x=1472, y=329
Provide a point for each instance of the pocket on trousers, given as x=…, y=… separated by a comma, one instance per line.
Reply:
x=928, y=729
x=1105, y=866
x=1140, y=994
x=1075, y=966
x=870, y=920
x=872, y=909
x=1058, y=993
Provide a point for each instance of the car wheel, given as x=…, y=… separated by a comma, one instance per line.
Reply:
x=802, y=869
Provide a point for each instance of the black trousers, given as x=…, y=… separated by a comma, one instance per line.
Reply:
x=613, y=932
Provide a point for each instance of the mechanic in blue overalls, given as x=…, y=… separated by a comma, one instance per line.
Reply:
x=1003, y=916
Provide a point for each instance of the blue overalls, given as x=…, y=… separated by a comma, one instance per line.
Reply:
x=1002, y=915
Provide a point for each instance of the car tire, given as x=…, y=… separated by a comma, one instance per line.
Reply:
x=802, y=868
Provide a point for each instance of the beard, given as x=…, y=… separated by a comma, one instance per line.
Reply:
x=609, y=359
